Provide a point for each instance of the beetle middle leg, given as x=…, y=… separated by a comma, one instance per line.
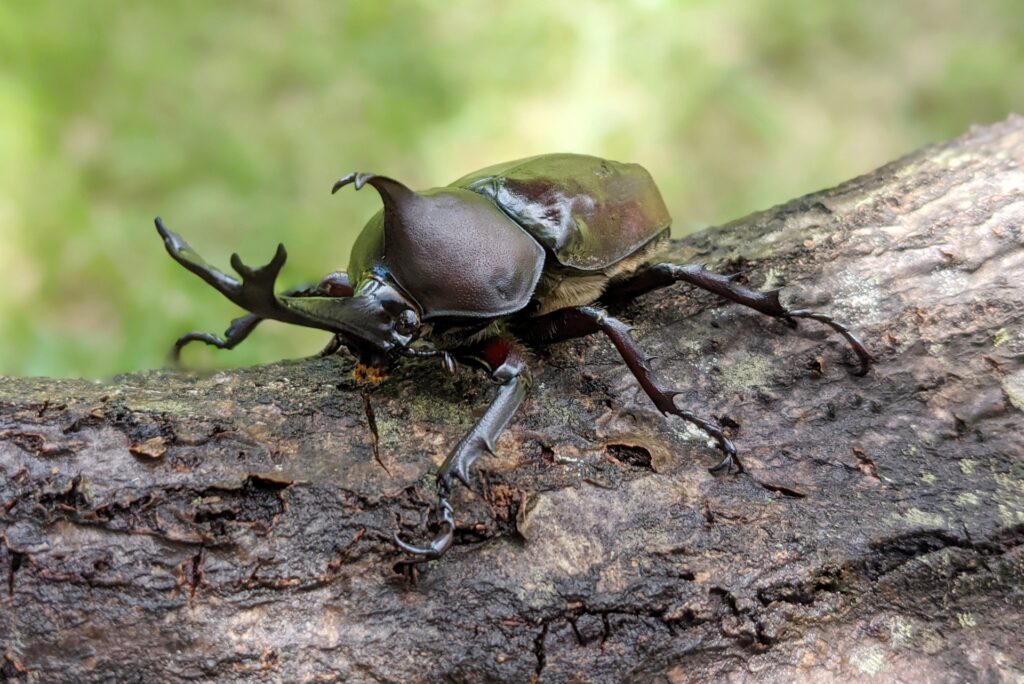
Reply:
x=580, y=321
x=664, y=274
x=508, y=368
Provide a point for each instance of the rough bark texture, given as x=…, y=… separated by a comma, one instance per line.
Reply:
x=236, y=526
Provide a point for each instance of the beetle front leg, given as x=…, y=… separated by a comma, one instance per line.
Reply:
x=236, y=332
x=507, y=365
x=333, y=285
x=662, y=275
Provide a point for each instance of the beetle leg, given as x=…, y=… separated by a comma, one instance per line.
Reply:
x=240, y=328
x=584, y=320
x=236, y=332
x=662, y=275
x=332, y=347
x=447, y=360
x=443, y=541
x=508, y=368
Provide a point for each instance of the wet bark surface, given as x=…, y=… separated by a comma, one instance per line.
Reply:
x=237, y=526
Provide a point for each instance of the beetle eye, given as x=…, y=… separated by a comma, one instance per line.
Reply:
x=407, y=322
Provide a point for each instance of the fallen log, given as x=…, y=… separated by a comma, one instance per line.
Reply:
x=237, y=526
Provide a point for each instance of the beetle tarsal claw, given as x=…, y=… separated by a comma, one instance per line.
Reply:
x=729, y=462
x=438, y=546
x=863, y=355
x=441, y=543
x=449, y=363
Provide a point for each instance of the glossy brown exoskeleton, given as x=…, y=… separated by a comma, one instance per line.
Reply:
x=522, y=253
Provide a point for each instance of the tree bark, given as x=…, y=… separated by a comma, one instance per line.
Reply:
x=236, y=526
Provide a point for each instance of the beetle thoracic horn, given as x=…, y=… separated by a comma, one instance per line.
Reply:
x=391, y=191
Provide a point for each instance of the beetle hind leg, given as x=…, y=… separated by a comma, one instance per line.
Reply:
x=664, y=399
x=662, y=275
x=585, y=320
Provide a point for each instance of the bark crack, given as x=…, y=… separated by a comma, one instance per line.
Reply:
x=371, y=420
x=14, y=563
x=193, y=573
x=538, y=649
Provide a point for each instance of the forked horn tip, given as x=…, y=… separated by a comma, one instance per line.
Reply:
x=342, y=182
x=355, y=178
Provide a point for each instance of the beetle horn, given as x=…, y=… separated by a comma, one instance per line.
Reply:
x=391, y=191
x=255, y=291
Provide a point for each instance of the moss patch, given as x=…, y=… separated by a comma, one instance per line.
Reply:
x=1013, y=385
x=869, y=660
x=916, y=516
x=967, y=499
x=751, y=373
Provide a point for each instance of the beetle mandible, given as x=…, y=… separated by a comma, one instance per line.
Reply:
x=518, y=254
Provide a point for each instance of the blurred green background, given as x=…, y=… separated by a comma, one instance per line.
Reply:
x=232, y=119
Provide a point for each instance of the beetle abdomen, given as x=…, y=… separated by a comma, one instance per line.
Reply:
x=589, y=212
x=561, y=288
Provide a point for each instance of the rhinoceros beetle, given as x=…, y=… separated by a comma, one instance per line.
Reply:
x=518, y=254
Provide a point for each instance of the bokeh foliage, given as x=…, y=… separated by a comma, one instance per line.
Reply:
x=232, y=119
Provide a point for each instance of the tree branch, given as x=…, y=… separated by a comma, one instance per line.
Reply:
x=174, y=526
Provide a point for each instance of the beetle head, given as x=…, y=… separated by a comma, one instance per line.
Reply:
x=377, y=323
